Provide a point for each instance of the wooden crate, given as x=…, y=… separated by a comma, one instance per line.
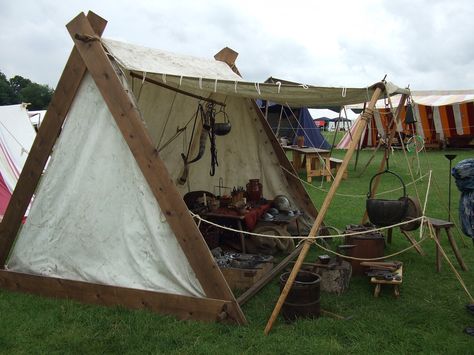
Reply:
x=244, y=278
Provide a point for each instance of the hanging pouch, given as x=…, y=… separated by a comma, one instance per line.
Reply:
x=382, y=212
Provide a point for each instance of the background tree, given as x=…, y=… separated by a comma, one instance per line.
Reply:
x=7, y=95
x=19, y=89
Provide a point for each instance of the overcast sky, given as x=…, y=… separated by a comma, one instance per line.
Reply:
x=427, y=44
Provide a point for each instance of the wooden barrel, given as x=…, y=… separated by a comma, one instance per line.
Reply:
x=367, y=246
x=303, y=300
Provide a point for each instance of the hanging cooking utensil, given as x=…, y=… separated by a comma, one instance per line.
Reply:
x=383, y=212
x=222, y=128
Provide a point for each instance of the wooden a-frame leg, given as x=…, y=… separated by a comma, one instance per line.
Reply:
x=438, y=251
x=377, y=289
x=389, y=235
x=396, y=291
x=413, y=242
x=454, y=246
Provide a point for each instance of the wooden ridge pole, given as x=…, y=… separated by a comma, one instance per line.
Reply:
x=392, y=132
x=365, y=118
x=43, y=144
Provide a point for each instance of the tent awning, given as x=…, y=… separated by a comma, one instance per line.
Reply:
x=213, y=76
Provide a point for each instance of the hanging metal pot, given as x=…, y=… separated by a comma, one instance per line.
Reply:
x=383, y=212
x=222, y=128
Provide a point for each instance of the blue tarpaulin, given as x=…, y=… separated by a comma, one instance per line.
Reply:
x=312, y=135
x=463, y=174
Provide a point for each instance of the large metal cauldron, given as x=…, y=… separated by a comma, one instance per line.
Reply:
x=386, y=212
x=303, y=300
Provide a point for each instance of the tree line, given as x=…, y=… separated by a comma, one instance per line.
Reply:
x=18, y=90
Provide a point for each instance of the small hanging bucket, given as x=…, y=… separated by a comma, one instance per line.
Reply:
x=382, y=212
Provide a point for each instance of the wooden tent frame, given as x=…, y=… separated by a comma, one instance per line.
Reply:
x=366, y=116
x=88, y=55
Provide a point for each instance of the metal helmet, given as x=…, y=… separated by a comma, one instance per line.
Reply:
x=282, y=203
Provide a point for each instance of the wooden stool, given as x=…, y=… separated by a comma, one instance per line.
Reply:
x=396, y=283
x=438, y=224
x=335, y=165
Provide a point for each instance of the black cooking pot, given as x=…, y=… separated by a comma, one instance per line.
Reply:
x=221, y=129
x=383, y=212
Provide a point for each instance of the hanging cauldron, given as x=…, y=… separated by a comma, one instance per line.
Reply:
x=222, y=128
x=386, y=212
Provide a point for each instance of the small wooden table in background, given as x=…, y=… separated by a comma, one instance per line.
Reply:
x=309, y=158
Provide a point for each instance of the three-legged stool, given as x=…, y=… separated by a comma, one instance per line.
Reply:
x=439, y=224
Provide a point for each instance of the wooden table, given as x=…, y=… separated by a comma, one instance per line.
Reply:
x=310, y=158
x=237, y=219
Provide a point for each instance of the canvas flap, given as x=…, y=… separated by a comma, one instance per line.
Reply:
x=94, y=217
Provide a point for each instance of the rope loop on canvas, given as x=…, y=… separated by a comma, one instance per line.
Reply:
x=257, y=87
x=344, y=92
x=279, y=86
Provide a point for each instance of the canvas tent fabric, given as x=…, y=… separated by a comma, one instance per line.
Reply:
x=440, y=116
x=99, y=197
x=16, y=137
x=312, y=135
x=180, y=70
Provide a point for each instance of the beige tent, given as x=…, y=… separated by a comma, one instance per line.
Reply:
x=108, y=224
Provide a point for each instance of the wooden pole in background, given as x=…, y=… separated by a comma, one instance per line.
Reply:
x=366, y=116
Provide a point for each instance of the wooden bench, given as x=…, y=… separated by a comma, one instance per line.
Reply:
x=335, y=165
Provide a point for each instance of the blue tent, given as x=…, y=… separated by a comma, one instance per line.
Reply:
x=312, y=135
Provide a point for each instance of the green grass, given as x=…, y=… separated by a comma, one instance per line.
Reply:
x=428, y=318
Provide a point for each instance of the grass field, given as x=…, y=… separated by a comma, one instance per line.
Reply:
x=428, y=318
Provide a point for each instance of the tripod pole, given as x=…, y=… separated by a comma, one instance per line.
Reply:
x=450, y=157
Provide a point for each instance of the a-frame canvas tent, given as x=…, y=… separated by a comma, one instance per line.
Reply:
x=292, y=122
x=108, y=224
x=440, y=117
x=307, y=129
x=16, y=137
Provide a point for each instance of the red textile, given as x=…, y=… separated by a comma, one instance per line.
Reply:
x=251, y=217
x=4, y=196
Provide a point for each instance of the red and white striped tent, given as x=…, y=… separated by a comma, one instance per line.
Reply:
x=16, y=137
x=441, y=117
